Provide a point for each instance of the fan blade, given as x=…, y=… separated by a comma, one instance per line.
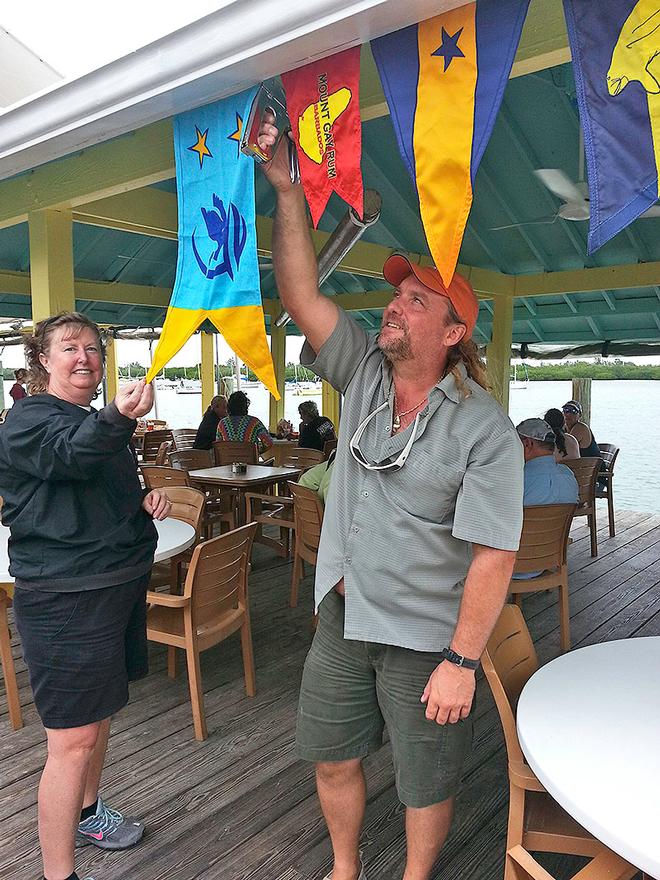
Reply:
x=542, y=222
x=653, y=211
x=560, y=184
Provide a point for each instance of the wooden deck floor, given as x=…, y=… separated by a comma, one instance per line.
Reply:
x=240, y=806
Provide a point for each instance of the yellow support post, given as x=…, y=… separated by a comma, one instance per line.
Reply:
x=498, y=352
x=51, y=263
x=278, y=353
x=208, y=370
x=330, y=403
x=111, y=368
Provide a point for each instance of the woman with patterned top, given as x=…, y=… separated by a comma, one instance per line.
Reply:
x=237, y=425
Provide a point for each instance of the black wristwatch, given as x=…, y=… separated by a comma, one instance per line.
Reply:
x=458, y=659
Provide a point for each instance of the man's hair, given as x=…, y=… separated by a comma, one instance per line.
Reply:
x=39, y=343
x=466, y=351
x=21, y=371
x=309, y=408
x=238, y=404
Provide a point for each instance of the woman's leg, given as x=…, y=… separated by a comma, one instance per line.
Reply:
x=91, y=793
x=61, y=790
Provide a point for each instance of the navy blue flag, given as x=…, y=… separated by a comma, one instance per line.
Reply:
x=615, y=46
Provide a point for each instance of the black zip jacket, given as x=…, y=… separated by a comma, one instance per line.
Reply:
x=72, y=498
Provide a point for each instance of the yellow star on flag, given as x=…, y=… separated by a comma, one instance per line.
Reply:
x=200, y=147
x=238, y=134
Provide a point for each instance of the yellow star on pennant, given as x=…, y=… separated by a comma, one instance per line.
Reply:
x=238, y=134
x=200, y=147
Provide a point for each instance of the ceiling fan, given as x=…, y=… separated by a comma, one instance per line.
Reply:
x=573, y=194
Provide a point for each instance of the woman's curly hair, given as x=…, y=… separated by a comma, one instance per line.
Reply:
x=39, y=343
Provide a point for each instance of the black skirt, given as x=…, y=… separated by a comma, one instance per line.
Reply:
x=82, y=649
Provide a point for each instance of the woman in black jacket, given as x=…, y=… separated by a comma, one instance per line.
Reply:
x=81, y=550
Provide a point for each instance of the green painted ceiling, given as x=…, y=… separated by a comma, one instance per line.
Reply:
x=537, y=128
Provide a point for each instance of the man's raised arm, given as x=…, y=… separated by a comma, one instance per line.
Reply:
x=294, y=260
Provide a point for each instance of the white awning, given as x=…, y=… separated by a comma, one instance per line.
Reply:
x=244, y=42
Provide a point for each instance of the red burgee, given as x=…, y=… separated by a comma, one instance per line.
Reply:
x=323, y=102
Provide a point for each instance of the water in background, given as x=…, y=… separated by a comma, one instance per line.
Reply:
x=626, y=413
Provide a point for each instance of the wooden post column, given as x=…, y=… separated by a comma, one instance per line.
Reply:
x=207, y=370
x=498, y=352
x=111, y=368
x=278, y=353
x=330, y=404
x=51, y=263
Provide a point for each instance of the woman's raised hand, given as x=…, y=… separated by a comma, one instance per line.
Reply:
x=135, y=400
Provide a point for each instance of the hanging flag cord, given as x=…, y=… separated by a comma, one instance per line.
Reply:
x=348, y=231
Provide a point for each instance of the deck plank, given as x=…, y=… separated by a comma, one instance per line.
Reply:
x=241, y=805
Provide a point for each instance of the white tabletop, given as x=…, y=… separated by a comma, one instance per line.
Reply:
x=589, y=725
x=174, y=536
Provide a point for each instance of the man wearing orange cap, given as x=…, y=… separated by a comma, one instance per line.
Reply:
x=420, y=532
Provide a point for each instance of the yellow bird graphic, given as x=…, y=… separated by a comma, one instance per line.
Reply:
x=636, y=58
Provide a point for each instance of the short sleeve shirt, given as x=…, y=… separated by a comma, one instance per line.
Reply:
x=402, y=540
x=547, y=482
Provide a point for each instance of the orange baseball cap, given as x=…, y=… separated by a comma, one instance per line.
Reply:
x=459, y=293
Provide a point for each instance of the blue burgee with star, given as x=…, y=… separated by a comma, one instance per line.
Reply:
x=443, y=80
x=217, y=272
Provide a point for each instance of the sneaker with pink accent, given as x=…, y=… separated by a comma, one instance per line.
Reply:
x=108, y=829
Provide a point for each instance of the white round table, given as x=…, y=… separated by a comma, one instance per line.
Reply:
x=589, y=726
x=174, y=536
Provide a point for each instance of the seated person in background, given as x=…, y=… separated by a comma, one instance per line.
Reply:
x=567, y=446
x=580, y=430
x=17, y=391
x=546, y=482
x=209, y=424
x=318, y=477
x=240, y=427
x=315, y=429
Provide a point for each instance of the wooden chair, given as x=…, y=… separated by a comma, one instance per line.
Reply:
x=609, y=453
x=188, y=507
x=151, y=444
x=328, y=447
x=228, y=451
x=605, y=866
x=214, y=605
x=191, y=459
x=184, y=438
x=280, y=450
x=536, y=821
x=543, y=547
x=7, y=661
x=302, y=458
x=308, y=519
x=160, y=477
x=586, y=474
x=271, y=510
x=218, y=506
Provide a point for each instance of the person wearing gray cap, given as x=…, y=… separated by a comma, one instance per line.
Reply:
x=546, y=482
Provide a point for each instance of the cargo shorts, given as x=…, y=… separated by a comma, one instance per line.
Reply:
x=351, y=690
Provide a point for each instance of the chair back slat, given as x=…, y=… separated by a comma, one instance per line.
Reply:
x=586, y=473
x=508, y=662
x=159, y=476
x=328, y=447
x=191, y=459
x=217, y=577
x=184, y=438
x=228, y=451
x=302, y=458
x=544, y=538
